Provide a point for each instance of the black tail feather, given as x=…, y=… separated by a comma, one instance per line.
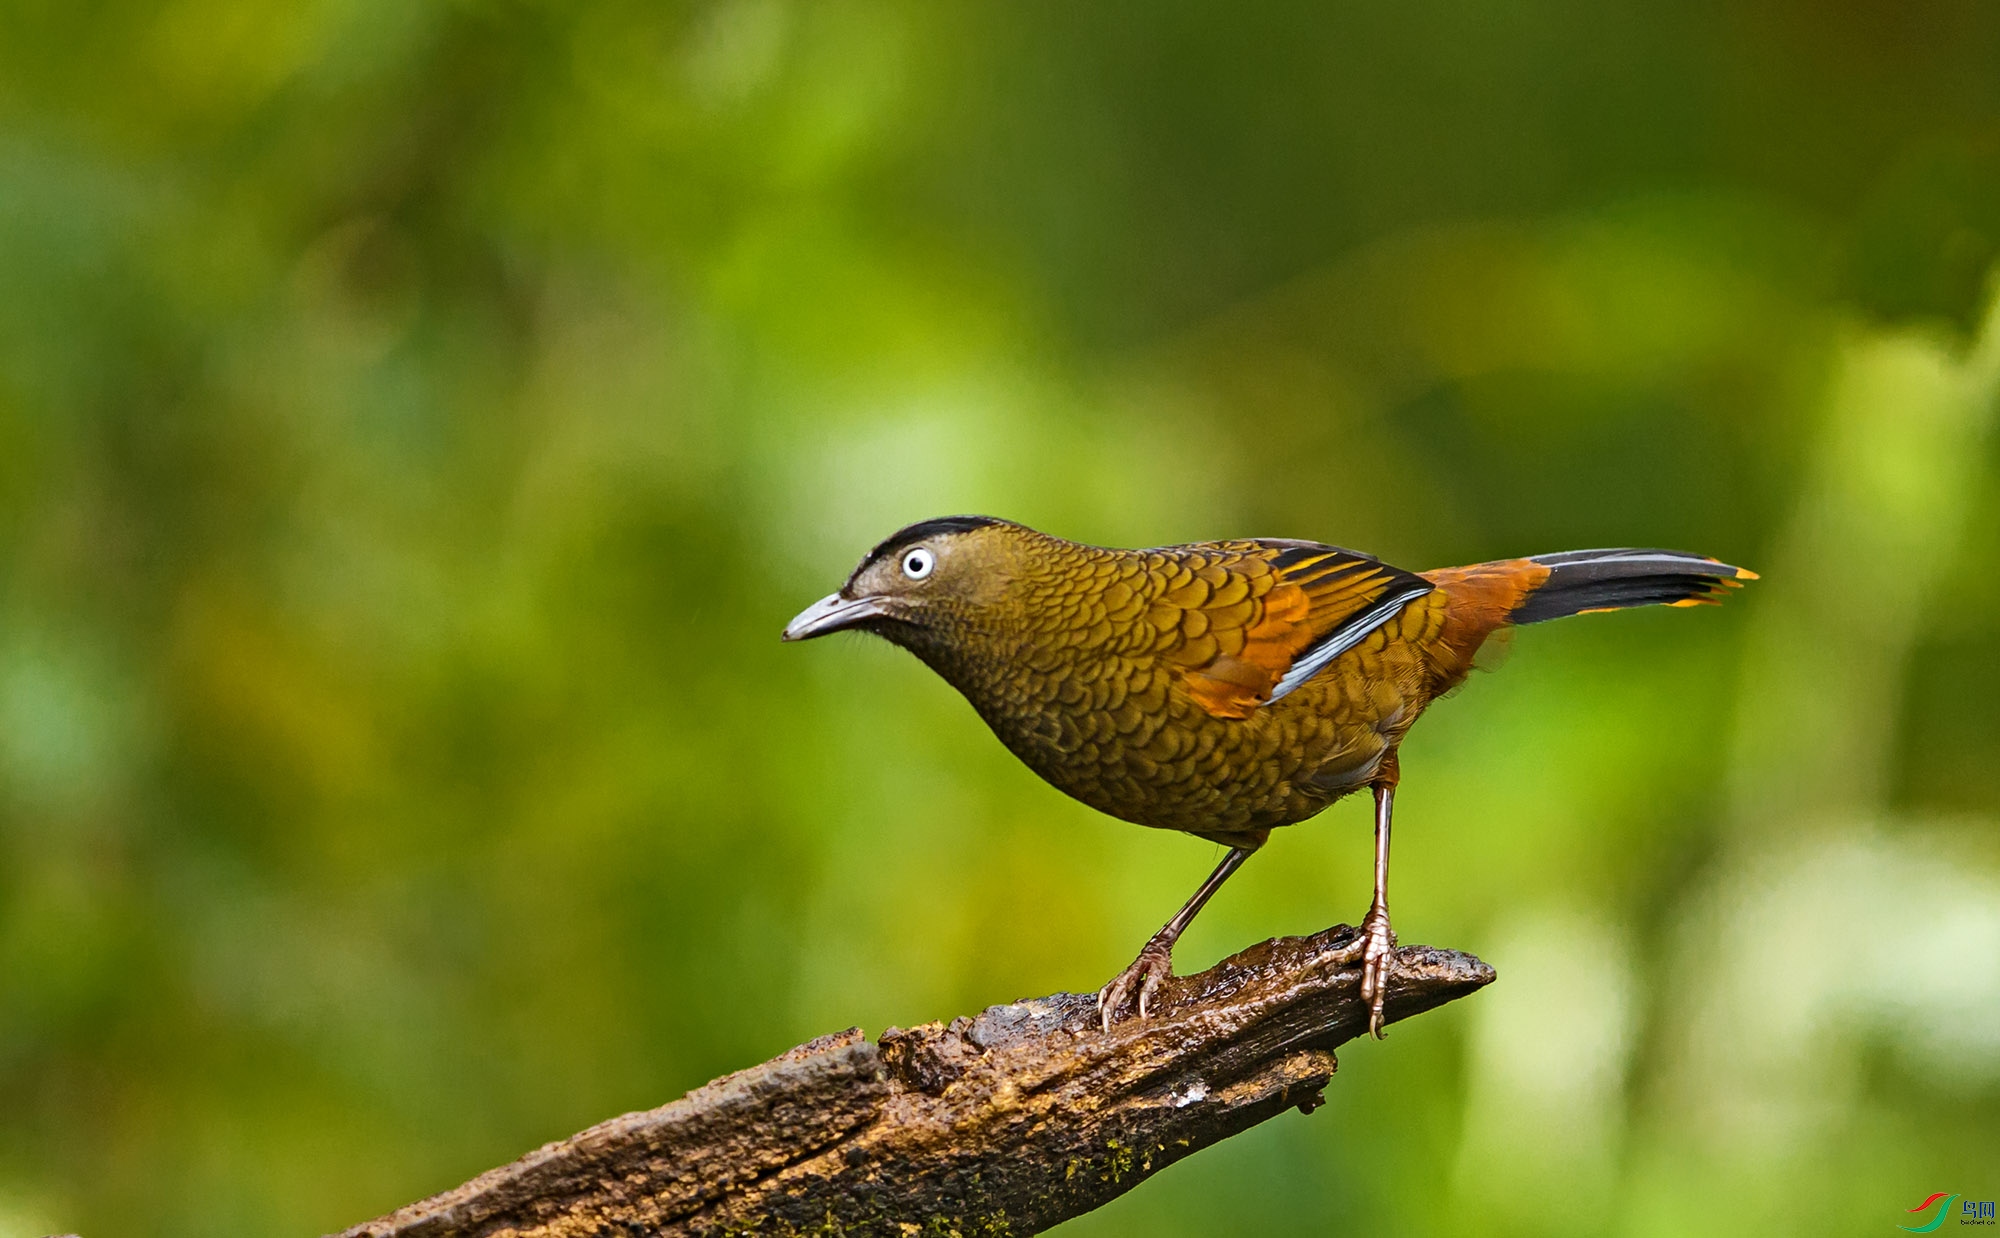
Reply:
x=1587, y=580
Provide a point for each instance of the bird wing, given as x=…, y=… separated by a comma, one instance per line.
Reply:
x=1247, y=622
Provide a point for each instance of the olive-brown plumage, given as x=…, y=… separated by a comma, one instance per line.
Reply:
x=1223, y=688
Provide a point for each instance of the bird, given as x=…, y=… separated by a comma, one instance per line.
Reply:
x=1223, y=689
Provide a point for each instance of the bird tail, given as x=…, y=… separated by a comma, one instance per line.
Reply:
x=1486, y=598
x=1582, y=582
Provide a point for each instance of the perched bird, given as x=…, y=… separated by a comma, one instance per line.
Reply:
x=1221, y=688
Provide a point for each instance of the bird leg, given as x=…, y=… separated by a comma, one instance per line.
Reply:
x=1377, y=942
x=1156, y=960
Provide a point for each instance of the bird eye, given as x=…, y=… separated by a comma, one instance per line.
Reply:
x=918, y=563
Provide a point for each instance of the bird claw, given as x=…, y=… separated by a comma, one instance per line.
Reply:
x=1375, y=947
x=1154, y=964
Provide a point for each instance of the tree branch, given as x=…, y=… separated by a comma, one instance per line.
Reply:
x=1006, y=1123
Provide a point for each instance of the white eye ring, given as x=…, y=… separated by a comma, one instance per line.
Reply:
x=918, y=563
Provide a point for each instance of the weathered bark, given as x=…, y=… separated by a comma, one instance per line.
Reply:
x=1006, y=1123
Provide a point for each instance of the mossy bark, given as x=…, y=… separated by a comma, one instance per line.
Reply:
x=1002, y=1124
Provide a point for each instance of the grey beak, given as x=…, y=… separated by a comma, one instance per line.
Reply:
x=833, y=613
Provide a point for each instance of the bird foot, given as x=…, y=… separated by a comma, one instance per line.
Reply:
x=1154, y=964
x=1375, y=947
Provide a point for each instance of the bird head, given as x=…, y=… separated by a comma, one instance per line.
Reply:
x=921, y=584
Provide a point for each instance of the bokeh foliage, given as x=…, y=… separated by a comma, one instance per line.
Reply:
x=417, y=420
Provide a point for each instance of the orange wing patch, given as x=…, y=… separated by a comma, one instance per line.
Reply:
x=1265, y=608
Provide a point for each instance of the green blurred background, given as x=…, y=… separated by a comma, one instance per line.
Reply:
x=418, y=419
